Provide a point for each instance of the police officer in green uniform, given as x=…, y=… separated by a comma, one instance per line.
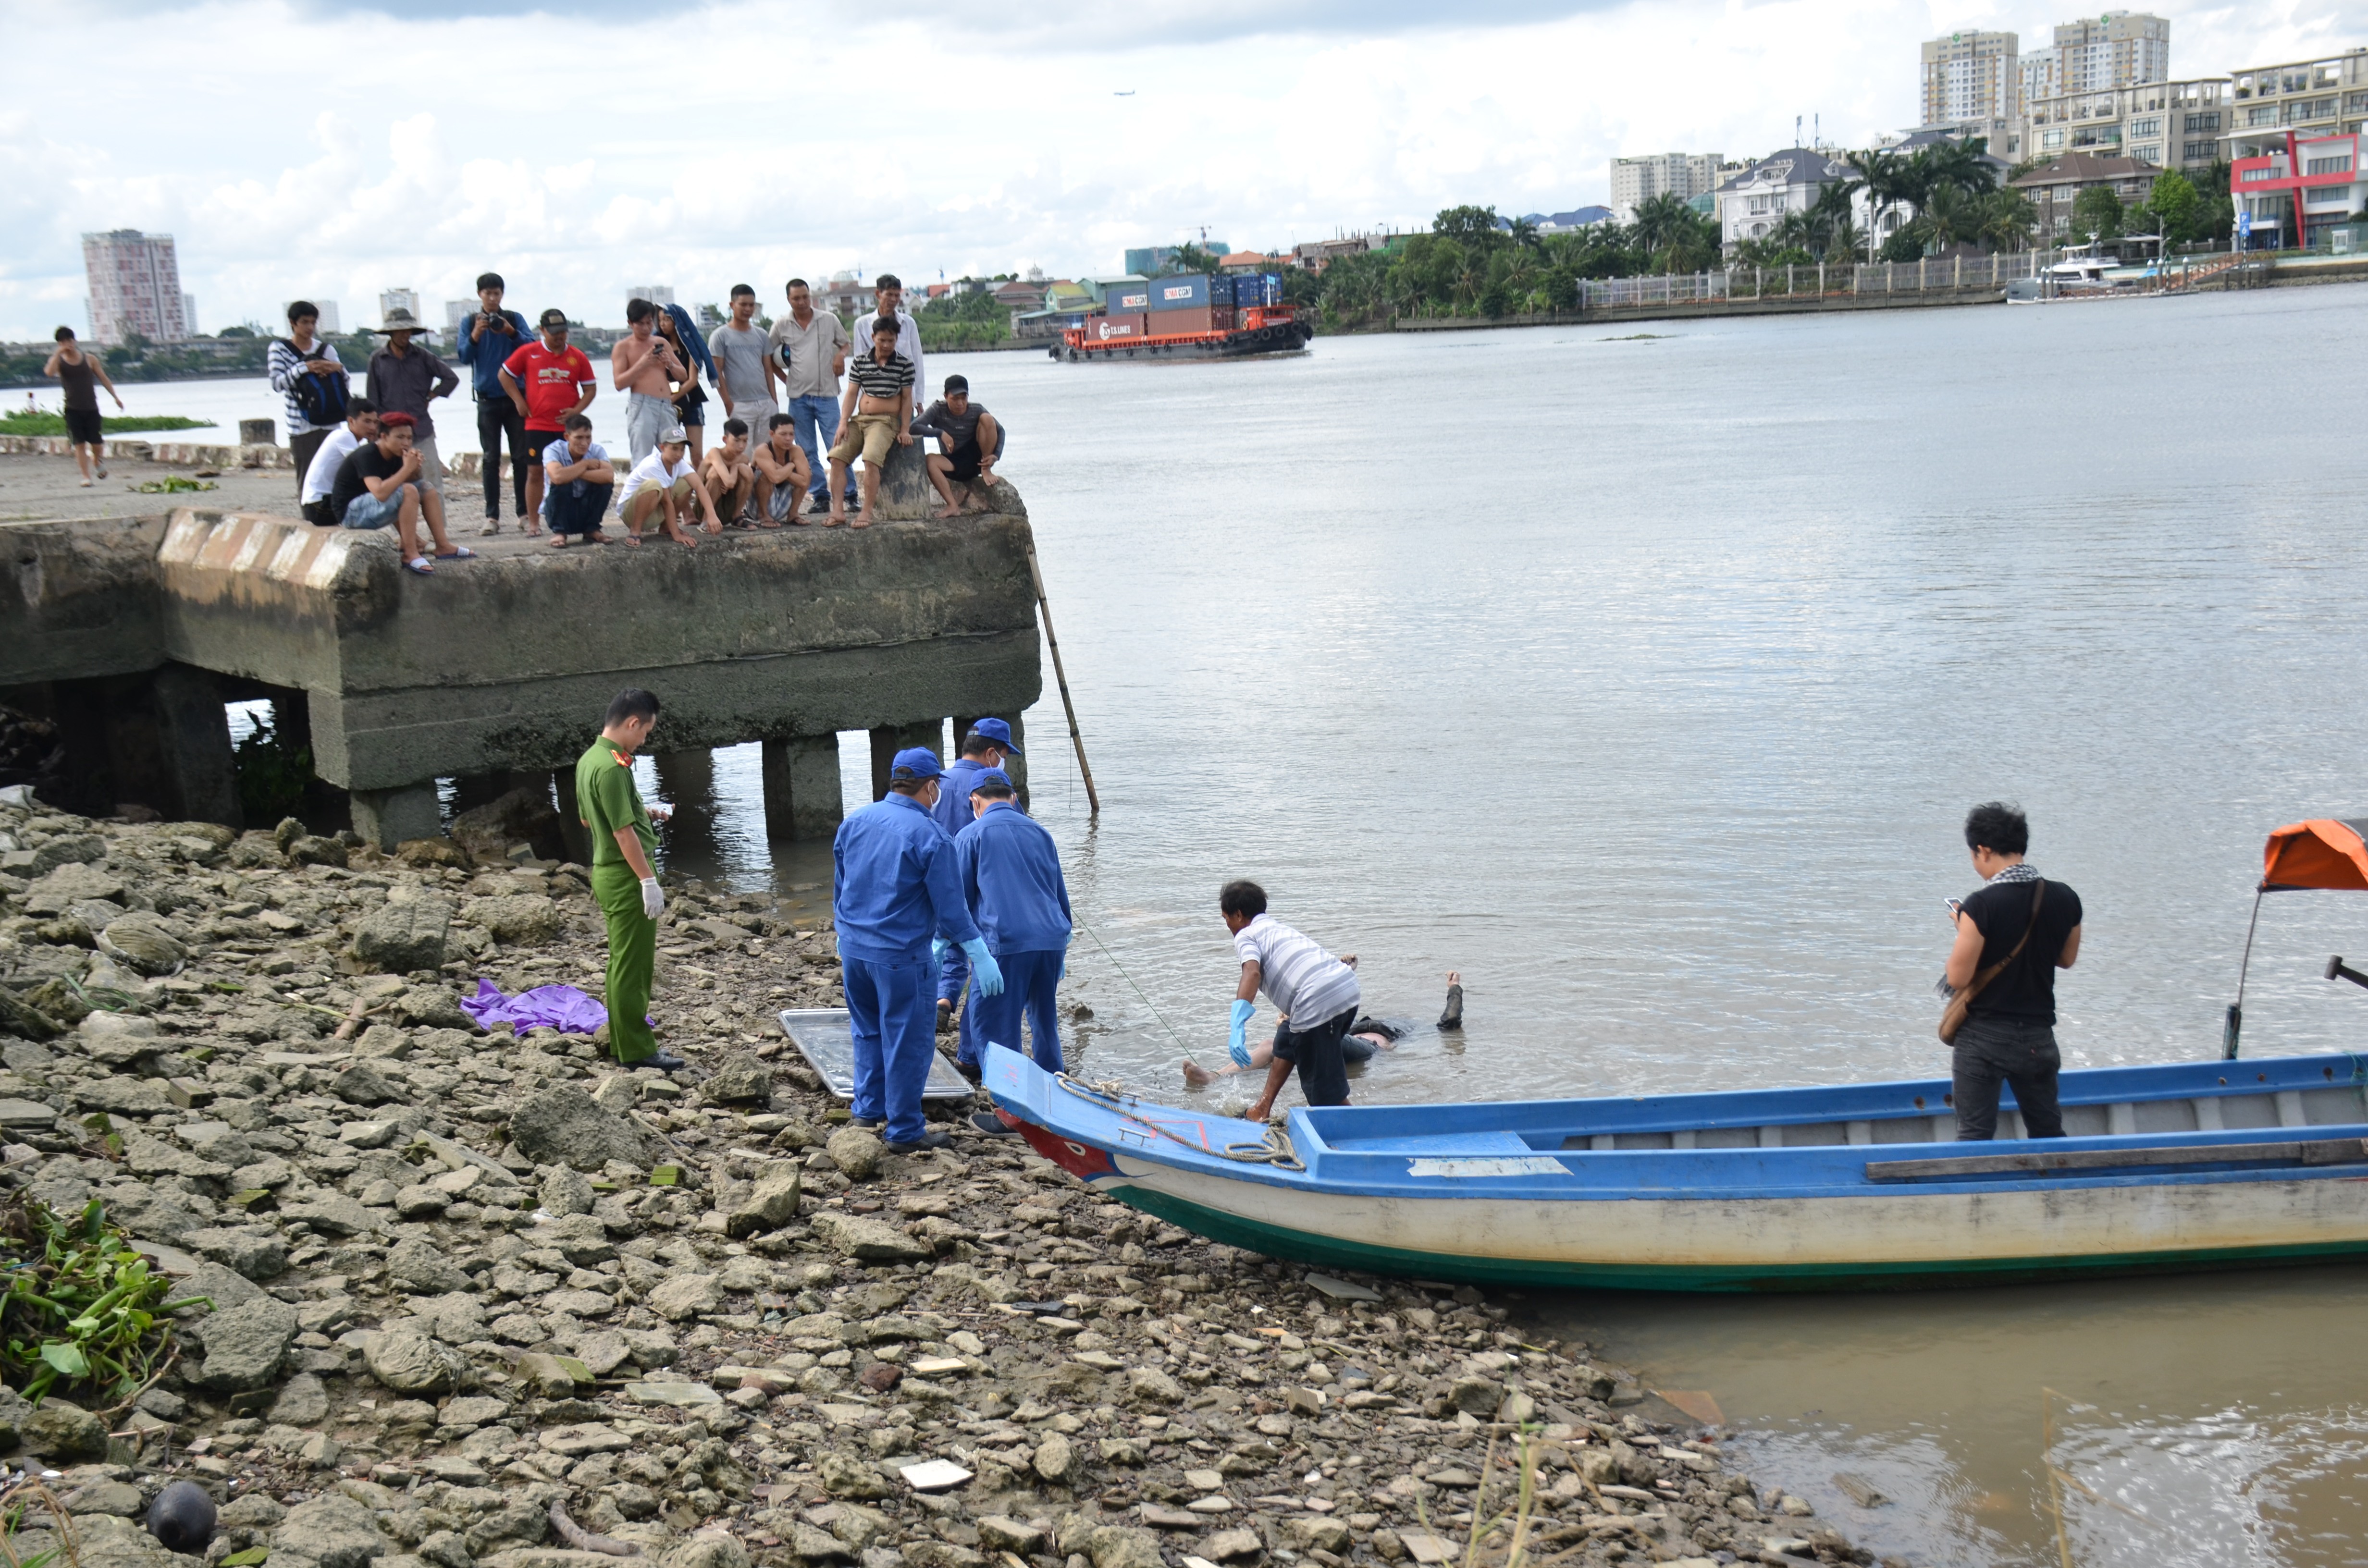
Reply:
x=622, y=877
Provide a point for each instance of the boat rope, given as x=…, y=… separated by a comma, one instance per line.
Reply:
x=1130, y=980
x=1274, y=1150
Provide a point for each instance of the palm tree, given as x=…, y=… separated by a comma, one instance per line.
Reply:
x=1884, y=175
x=2009, y=221
x=1525, y=234
x=1964, y=164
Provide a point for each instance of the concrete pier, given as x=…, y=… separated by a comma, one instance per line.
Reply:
x=505, y=665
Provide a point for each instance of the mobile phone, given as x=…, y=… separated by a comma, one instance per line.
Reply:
x=1956, y=906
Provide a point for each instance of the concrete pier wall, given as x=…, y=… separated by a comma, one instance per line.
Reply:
x=505, y=664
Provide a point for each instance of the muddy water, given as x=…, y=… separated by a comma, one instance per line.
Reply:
x=2208, y=1420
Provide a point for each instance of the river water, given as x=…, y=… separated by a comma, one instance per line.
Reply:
x=1644, y=677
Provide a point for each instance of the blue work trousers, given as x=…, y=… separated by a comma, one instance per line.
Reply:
x=1030, y=980
x=817, y=427
x=893, y=1018
x=953, y=975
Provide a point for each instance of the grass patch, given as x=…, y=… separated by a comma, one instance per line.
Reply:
x=81, y=1308
x=41, y=421
x=173, y=484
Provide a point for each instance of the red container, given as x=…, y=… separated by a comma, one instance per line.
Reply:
x=1173, y=323
x=1102, y=329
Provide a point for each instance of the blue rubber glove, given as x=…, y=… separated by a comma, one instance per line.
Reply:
x=938, y=949
x=984, y=972
x=1236, y=1048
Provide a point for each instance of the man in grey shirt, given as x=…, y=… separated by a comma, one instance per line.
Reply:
x=404, y=377
x=811, y=347
x=744, y=368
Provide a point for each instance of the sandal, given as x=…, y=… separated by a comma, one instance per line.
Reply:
x=419, y=563
x=457, y=552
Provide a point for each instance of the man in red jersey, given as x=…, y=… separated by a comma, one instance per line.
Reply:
x=549, y=380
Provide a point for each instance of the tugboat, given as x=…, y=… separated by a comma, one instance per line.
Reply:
x=1195, y=318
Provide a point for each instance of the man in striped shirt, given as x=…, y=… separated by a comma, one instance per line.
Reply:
x=876, y=410
x=1314, y=990
x=291, y=358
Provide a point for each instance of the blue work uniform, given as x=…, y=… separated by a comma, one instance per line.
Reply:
x=893, y=886
x=1011, y=879
x=952, y=814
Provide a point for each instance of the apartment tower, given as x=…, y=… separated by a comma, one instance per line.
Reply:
x=1969, y=75
x=135, y=286
x=1637, y=180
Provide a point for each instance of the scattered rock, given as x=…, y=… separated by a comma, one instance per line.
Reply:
x=401, y=936
x=857, y=1153
x=57, y=1429
x=873, y=1241
x=244, y=1345
x=563, y=1125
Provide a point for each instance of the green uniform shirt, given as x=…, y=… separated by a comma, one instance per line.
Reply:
x=606, y=797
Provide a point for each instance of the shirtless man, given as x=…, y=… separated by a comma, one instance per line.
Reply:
x=728, y=474
x=646, y=370
x=1366, y=1036
x=782, y=476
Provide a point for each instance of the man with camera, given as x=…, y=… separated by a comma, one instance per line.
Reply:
x=2013, y=933
x=489, y=335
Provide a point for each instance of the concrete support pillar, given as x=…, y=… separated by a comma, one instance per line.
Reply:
x=804, y=796
x=389, y=817
x=193, y=732
x=687, y=777
x=578, y=837
x=890, y=739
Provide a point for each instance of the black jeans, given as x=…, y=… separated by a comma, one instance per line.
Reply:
x=304, y=448
x=574, y=514
x=2018, y=1051
x=498, y=418
x=1322, y=1075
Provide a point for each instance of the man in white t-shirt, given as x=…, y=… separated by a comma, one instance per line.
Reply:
x=321, y=474
x=663, y=486
x=1314, y=991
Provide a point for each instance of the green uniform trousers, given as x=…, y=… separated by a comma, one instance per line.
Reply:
x=632, y=955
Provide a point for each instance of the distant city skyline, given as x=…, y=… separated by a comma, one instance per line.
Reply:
x=1339, y=120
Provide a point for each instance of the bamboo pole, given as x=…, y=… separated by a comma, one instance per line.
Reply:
x=1068, y=705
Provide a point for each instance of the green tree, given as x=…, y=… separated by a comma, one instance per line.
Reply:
x=2097, y=213
x=2008, y=219
x=1886, y=177
x=2174, y=205
x=1189, y=257
x=1473, y=226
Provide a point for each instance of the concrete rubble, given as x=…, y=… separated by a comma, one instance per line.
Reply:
x=460, y=1279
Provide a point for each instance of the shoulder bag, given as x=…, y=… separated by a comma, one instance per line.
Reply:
x=1952, y=1017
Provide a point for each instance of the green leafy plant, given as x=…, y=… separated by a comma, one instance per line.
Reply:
x=174, y=485
x=81, y=1308
x=43, y=422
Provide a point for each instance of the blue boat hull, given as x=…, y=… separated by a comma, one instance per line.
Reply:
x=2214, y=1165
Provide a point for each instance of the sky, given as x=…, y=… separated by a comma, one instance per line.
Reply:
x=301, y=148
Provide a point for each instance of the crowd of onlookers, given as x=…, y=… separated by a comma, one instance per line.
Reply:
x=801, y=400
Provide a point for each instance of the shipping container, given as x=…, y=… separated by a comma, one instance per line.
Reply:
x=1127, y=298
x=1189, y=292
x=1105, y=327
x=1170, y=323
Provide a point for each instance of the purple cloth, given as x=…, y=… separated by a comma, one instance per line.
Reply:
x=560, y=1008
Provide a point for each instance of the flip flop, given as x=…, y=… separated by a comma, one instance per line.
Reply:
x=419, y=563
x=634, y=541
x=457, y=552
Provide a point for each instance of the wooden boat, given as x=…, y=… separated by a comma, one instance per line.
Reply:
x=2189, y=1166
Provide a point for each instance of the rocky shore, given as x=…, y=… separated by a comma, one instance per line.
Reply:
x=483, y=1302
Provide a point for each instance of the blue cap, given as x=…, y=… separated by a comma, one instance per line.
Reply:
x=991, y=776
x=998, y=732
x=914, y=763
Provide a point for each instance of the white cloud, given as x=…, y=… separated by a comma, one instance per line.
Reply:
x=291, y=149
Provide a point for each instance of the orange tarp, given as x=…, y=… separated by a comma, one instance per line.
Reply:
x=2320, y=853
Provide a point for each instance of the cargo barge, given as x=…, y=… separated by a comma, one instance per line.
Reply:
x=1192, y=317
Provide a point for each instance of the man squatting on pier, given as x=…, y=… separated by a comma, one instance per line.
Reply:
x=2010, y=1028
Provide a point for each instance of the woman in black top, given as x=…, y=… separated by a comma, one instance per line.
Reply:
x=2010, y=1030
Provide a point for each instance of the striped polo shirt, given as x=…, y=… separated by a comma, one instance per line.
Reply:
x=1305, y=984
x=882, y=381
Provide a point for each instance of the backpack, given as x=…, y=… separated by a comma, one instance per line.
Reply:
x=321, y=398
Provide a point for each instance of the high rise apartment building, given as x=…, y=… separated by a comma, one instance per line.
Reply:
x=2119, y=48
x=1637, y=180
x=2172, y=125
x=655, y=293
x=1970, y=74
x=392, y=300
x=135, y=286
